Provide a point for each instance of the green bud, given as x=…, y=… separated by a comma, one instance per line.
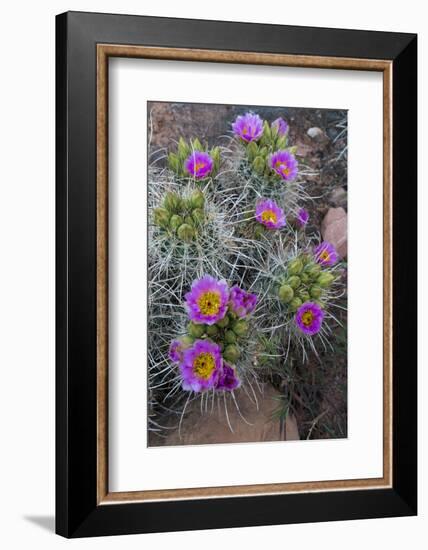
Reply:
x=230, y=337
x=316, y=291
x=281, y=142
x=293, y=150
x=259, y=164
x=304, y=295
x=212, y=330
x=231, y=353
x=304, y=277
x=259, y=231
x=216, y=156
x=240, y=327
x=285, y=293
x=252, y=150
x=161, y=217
x=174, y=163
x=197, y=199
x=223, y=322
x=183, y=149
x=313, y=270
x=186, y=341
x=198, y=216
x=267, y=133
x=189, y=221
x=197, y=145
x=195, y=330
x=294, y=282
x=295, y=303
x=186, y=233
x=173, y=202
x=263, y=152
x=325, y=279
x=175, y=222
x=295, y=266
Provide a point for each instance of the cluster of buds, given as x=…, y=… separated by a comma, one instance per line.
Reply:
x=217, y=329
x=305, y=281
x=193, y=160
x=181, y=216
x=265, y=146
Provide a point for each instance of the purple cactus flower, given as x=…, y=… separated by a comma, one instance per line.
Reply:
x=284, y=164
x=199, y=164
x=248, y=127
x=207, y=300
x=242, y=303
x=326, y=254
x=270, y=214
x=309, y=318
x=201, y=366
x=281, y=126
x=228, y=379
x=302, y=217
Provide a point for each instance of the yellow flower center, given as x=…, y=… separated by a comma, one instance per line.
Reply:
x=325, y=255
x=282, y=168
x=203, y=365
x=199, y=166
x=307, y=318
x=209, y=303
x=269, y=216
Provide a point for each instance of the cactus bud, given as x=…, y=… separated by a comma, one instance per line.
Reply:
x=198, y=216
x=313, y=270
x=295, y=303
x=325, y=279
x=172, y=202
x=231, y=353
x=259, y=164
x=295, y=266
x=263, y=152
x=294, y=282
x=215, y=155
x=186, y=233
x=223, y=323
x=175, y=222
x=293, y=150
x=174, y=163
x=285, y=293
x=161, y=217
x=252, y=150
x=197, y=145
x=183, y=149
x=186, y=341
x=197, y=199
x=267, y=133
x=212, y=330
x=281, y=142
x=195, y=330
x=240, y=328
x=316, y=291
x=304, y=295
x=304, y=277
x=230, y=337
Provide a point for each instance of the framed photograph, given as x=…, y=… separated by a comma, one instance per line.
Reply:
x=236, y=274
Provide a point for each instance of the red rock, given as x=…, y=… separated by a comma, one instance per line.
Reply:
x=334, y=229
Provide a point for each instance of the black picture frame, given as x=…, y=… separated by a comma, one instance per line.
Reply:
x=77, y=512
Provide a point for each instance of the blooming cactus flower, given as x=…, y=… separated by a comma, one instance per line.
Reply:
x=228, y=379
x=199, y=164
x=248, y=127
x=207, y=300
x=242, y=303
x=270, y=214
x=281, y=126
x=325, y=254
x=284, y=164
x=302, y=217
x=201, y=366
x=309, y=317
